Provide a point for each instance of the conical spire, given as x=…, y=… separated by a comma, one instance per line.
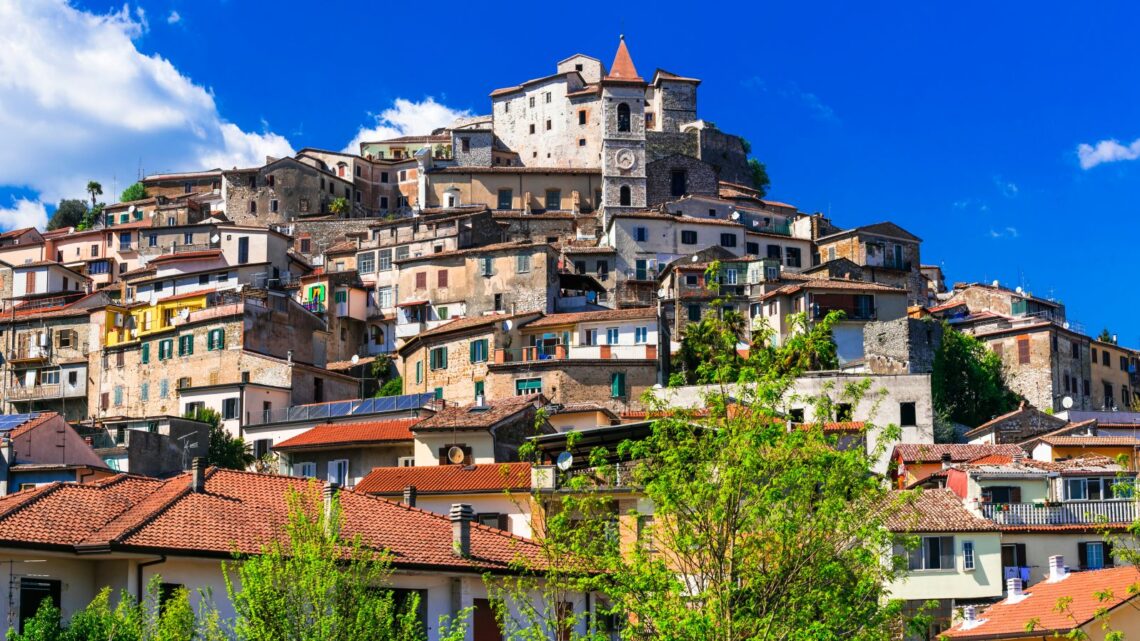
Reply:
x=622, y=68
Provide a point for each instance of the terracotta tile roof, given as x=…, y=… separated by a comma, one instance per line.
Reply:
x=236, y=512
x=622, y=68
x=934, y=511
x=677, y=218
x=1009, y=619
x=632, y=313
x=200, y=292
x=516, y=170
x=447, y=479
x=472, y=417
x=337, y=434
x=959, y=452
x=586, y=406
x=461, y=324
x=832, y=283
x=343, y=247
x=32, y=423
x=337, y=366
x=588, y=249
x=1090, y=441
x=167, y=258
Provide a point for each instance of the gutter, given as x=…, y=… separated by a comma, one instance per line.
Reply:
x=139, y=588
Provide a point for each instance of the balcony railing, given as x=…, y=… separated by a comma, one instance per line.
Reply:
x=42, y=392
x=30, y=353
x=849, y=313
x=1065, y=513
x=314, y=306
x=530, y=354
x=576, y=352
x=613, y=475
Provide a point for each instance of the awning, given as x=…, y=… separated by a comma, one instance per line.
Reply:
x=413, y=303
x=579, y=282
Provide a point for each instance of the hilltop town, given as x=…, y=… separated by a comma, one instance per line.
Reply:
x=394, y=322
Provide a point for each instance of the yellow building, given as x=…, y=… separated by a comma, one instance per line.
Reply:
x=124, y=324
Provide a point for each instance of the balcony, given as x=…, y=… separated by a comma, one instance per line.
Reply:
x=314, y=306
x=849, y=313
x=529, y=354
x=408, y=329
x=612, y=476
x=29, y=354
x=577, y=352
x=607, y=352
x=45, y=392
x=1066, y=513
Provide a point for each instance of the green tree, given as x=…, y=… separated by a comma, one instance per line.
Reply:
x=224, y=450
x=392, y=387
x=95, y=189
x=756, y=531
x=1106, y=336
x=135, y=192
x=759, y=174
x=316, y=584
x=968, y=385
x=339, y=206
x=70, y=213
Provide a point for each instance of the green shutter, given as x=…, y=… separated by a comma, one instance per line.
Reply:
x=472, y=349
x=210, y=340
x=419, y=371
x=443, y=355
x=145, y=353
x=439, y=393
x=617, y=384
x=220, y=342
x=479, y=388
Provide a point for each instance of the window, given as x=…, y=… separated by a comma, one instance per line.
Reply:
x=793, y=256
x=752, y=249
x=186, y=345
x=548, y=125
x=338, y=472
x=223, y=277
x=479, y=350
x=694, y=312
x=486, y=265
x=419, y=371
x=437, y=358
x=366, y=262
x=421, y=280
x=1023, y=350
x=934, y=553
x=229, y=408
x=384, y=296
x=590, y=337
x=617, y=385
x=305, y=470
x=640, y=335
x=692, y=280
x=118, y=395
x=441, y=278
x=216, y=339
x=688, y=237
x=1104, y=358
x=677, y=181
x=401, y=252
x=253, y=206
x=641, y=234
x=581, y=116
x=581, y=142
x=523, y=264
x=728, y=240
x=532, y=131
x=1094, y=489
x=506, y=199
x=465, y=144
x=1094, y=555
x=907, y=414
x=623, y=118
x=125, y=240
x=144, y=392
x=163, y=388
x=144, y=353
x=526, y=386
x=383, y=176
x=1124, y=363
x=553, y=199
x=1092, y=350
x=498, y=302
x=165, y=349
x=967, y=555
x=625, y=199
x=730, y=277
x=531, y=101
x=612, y=335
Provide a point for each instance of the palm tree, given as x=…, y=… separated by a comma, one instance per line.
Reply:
x=338, y=206
x=95, y=189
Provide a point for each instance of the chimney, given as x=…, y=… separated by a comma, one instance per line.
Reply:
x=1057, y=569
x=1013, y=590
x=461, y=517
x=969, y=617
x=946, y=460
x=410, y=496
x=198, y=475
x=328, y=493
x=1018, y=457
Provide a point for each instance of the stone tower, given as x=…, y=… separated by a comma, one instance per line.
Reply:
x=623, y=136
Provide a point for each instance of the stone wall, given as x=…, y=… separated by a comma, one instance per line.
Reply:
x=479, y=143
x=700, y=178
x=901, y=346
x=659, y=144
x=458, y=379
x=725, y=152
x=326, y=233
x=578, y=381
x=677, y=104
x=537, y=228
x=1023, y=425
x=1041, y=380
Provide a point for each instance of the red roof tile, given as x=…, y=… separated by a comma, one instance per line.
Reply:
x=474, y=417
x=335, y=434
x=934, y=511
x=959, y=452
x=1010, y=619
x=447, y=479
x=622, y=68
x=166, y=258
x=1091, y=441
x=236, y=512
x=632, y=313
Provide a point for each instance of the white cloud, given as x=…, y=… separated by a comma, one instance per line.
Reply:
x=23, y=213
x=1107, y=151
x=406, y=118
x=1008, y=232
x=91, y=106
x=1008, y=189
x=173, y=18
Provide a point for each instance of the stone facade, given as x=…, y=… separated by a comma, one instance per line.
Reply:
x=889, y=260
x=901, y=346
x=1016, y=427
x=281, y=192
x=1043, y=363
x=473, y=147
x=726, y=153
x=1115, y=382
x=699, y=178
x=578, y=381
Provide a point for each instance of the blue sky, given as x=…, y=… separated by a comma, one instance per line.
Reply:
x=962, y=122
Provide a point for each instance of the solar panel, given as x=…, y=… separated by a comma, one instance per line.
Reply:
x=365, y=406
x=340, y=408
x=319, y=411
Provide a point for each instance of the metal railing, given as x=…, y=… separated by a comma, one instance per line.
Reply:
x=48, y=391
x=1064, y=513
x=849, y=313
x=613, y=475
x=529, y=354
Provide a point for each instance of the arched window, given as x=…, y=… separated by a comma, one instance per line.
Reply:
x=623, y=117
x=253, y=206
x=624, y=198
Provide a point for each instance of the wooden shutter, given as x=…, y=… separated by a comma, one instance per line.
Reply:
x=1023, y=350
x=503, y=525
x=947, y=551
x=442, y=278
x=145, y=353
x=1108, y=562
x=1015, y=494
x=421, y=280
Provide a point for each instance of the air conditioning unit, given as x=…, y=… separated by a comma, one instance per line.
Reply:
x=407, y=461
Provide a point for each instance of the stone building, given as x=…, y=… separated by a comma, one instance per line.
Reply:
x=901, y=346
x=679, y=175
x=284, y=190
x=452, y=359
x=1115, y=381
x=1014, y=427
x=887, y=253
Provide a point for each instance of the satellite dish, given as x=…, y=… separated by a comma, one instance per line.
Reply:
x=215, y=238
x=131, y=209
x=508, y=325
x=1067, y=402
x=695, y=258
x=1018, y=290
x=662, y=293
x=997, y=283
x=455, y=454
x=564, y=461
x=736, y=215
x=355, y=359
x=1065, y=325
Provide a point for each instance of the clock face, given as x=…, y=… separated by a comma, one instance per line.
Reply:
x=625, y=159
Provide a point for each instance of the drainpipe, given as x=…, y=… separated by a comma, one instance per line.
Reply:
x=140, y=589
